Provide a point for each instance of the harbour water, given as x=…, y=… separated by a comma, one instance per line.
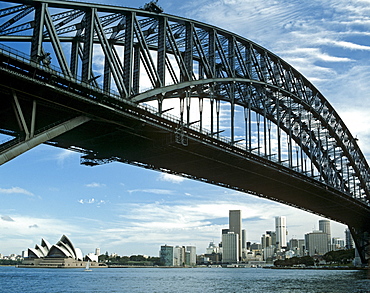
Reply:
x=18, y=280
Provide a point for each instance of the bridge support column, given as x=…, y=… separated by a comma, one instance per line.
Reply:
x=362, y=242
x=15, y=148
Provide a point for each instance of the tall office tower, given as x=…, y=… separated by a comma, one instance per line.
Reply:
x=244, y=239
x=166, y=255
x=324, y=226
x=192, y=255
x=280, y=225
x=230, y=247
x=349, y=239
x=97, y=251
x=235, y=225
x=266, y=240
x=316, y=243
x=273, y=237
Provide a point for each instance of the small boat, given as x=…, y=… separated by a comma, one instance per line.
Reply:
x=87, y=269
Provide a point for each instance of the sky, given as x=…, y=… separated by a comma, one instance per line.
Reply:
x=122, y=209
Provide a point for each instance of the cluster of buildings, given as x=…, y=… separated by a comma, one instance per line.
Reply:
x=13, y=257
x=178, y=256
x=234, y=247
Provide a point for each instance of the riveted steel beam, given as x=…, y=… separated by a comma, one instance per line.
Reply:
x=21, y=147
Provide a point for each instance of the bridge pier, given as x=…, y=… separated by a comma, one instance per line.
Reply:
x=362, y=243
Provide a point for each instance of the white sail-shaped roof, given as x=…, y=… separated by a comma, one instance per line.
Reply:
x=45, y=243
x=58, y=251
x=64, y=249
x=79, y=255
x=34, y=253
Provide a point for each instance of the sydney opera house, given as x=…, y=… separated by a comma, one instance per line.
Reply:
x=60, y=255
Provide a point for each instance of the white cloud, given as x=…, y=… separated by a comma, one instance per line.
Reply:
x=64, y=155
x=170, y=178
x=153, y=190
x=92, y=201
x=15, y=190
x=95, y=185
x=18, y=235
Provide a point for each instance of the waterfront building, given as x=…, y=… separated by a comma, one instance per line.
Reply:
x=60, y=255
x=179, y=256
x=212, y=248
x=268, y=252
x=166, y=255
x=191, y=252
x=281, y=232
x=235, y=225
x=230, y=247
x=316, y=243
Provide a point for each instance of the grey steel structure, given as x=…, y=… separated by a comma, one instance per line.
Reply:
x=281, y=139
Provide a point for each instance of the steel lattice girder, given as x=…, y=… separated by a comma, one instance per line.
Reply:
x=182, y=56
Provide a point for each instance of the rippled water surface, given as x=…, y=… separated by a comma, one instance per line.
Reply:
x=182, y=280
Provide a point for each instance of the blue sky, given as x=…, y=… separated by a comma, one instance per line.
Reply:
x=45, y=192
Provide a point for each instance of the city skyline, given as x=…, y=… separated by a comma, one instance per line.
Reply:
x=127, y=210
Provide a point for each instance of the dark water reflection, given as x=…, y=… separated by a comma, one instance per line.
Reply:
x=182, y=280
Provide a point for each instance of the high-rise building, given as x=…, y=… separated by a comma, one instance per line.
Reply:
x=349, y=239
x=316, y=243
x=192, y=261
x=337, y=243
x=281, y=232
x=324, y=226
x=179, y=256
x=97, y=251
x=166, y=255
x=230, y=247
x=244, y=239
x=273, y=237
x=235, y=225
x=297, y=246
x=266, y=240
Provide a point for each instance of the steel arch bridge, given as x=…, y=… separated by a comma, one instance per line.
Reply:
x=107, y=81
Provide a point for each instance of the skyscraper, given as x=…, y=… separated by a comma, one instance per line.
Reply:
x=349, y=239
x=166, y=255
x=235, y=225
x=230, y=247
x=324, y=226
x=192, y=255
x=280, y=226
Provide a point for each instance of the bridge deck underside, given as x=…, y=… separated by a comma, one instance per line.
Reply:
x=134, y=138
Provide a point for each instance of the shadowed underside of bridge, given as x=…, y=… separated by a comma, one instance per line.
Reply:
x=312, y=162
